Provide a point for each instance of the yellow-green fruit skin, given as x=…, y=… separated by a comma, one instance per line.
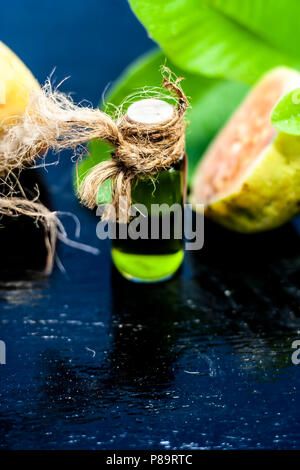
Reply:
x=269, y=196
x=16, y=85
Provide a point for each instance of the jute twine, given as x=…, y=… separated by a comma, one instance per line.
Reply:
x=53, y=121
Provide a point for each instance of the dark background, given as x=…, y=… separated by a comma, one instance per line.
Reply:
x=94, y=362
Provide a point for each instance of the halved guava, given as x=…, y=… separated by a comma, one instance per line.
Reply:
x=249, y=178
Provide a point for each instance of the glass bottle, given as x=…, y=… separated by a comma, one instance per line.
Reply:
x=162, y=197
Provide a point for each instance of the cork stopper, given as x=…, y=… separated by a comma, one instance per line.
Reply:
x=150, y=111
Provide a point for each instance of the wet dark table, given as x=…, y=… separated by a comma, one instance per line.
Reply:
x=95, y=362
x=200, y=362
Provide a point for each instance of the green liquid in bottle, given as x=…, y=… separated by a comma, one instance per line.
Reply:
x=154, y=260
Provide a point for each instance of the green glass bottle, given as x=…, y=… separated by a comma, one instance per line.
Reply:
x=158, y=256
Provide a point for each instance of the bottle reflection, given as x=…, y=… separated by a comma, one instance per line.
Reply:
x=144, y=332
x=22, y=242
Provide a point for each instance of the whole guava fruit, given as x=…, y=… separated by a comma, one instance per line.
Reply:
x=16, y=85
x=249, y=178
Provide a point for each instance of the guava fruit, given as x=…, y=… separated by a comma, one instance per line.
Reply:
x=16, y=85
x=249, y=178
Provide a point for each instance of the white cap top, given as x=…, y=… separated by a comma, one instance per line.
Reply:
x=150, y=111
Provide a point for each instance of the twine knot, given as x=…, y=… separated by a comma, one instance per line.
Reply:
x=139, y=150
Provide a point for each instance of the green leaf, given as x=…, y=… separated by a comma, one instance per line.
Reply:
x=235, y=39
x=212, y=102
x=286, y=114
